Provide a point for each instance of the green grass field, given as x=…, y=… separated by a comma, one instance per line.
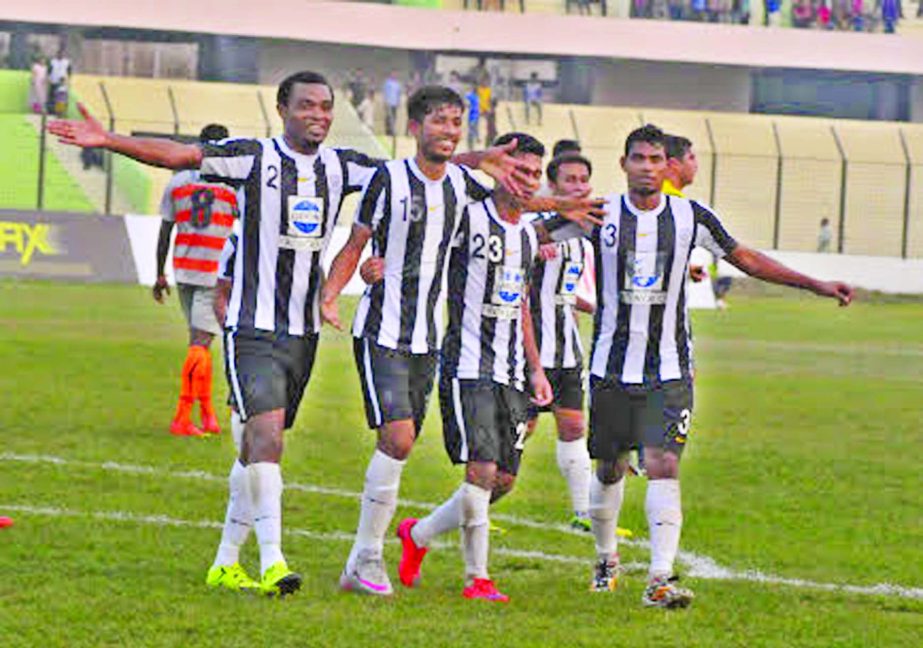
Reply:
x=803, y=463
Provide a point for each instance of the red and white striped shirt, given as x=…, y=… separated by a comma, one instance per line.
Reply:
x=204, y=213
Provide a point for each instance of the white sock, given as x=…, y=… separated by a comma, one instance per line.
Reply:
x=665, y=521
x=605, y=504
x=441, y=520
x=265, y=481
x=237, y=430
x=238, y=520
x=475, y=530
x=575, y=467
x=379, y=501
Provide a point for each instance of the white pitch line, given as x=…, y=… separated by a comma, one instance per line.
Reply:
x=699, y=566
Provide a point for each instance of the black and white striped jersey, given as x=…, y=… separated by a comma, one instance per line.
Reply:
x=289, y=203
x=413, y=221
x=641, y=330
x=489, y=271
x=228, y=256
x=552, y=297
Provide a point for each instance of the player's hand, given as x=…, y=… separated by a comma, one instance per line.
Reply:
x=697, y=273
x=86, y=132
x=541, y=389
x=160, y=287
x=840, y=291
x=586, y=212
x=330, y=314
x=499, y=163
x=548, y=251
x=373, y=270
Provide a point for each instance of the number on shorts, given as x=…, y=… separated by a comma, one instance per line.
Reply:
x=521, y=429
x=683, y=424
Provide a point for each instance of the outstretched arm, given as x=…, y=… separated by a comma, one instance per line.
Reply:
x=89, y=133
x=758, y=265
x=341, y=271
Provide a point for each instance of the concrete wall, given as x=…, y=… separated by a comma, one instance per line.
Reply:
x=671, y=85
x=279, y=58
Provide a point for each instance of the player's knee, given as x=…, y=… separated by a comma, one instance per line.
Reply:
x=571, y=426
x=198, y=337
x=610, y=472
x=263, y=437
x=661, y=464
x=503, y=485
x=396, y=439
x=481, y=474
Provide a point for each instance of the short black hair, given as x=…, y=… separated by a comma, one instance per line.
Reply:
x=213, y=133
x=525, y=143
x=429, y=98
x=647, y=133
x=305, y=76
x=565, y=146
x=568, y=158
x=677, y=146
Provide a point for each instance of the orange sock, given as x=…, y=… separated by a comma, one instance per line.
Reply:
x=186, y=387
x=202, y=382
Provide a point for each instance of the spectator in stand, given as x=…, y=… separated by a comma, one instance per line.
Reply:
x=38, y=85
x=824, y=236
x=491, y=120
x=391, y=90
x=699, y=9
x=358, y=88
x=455, y=83
x=773, y=13
x=474, y=118
x=890, y=13
x=59, y=72
x=366, y=110
x=824, y=15
x=532, y=98
x=856, y=16
x=802, y=13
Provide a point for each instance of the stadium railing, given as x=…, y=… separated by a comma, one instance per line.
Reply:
x=773, y=178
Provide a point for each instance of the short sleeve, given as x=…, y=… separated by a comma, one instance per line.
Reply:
x=358, y=169
x=710, y=233
x=474, y=190
x=372, y=204
x=229, y=161
x=166, y=201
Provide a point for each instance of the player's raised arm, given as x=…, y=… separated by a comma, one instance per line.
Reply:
x=89, y=133
x=758, y=265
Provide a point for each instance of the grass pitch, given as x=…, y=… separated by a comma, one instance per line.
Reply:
x=803, y=463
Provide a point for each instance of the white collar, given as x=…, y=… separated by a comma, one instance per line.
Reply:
x=651, y=212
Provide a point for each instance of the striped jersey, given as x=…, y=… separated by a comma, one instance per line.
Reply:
x=414, y=220
x=228, y=255
x=489, y=271
x=204, y=214
x=641, y=330
x=552, y=297
x=289, y=203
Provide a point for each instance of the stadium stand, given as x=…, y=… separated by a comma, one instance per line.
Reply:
x=745, y=161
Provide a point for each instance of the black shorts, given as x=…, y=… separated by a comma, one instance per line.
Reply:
x=268, y=371
x=395, y=385
x=483, y=421
x=624, y=417
x=567, y=385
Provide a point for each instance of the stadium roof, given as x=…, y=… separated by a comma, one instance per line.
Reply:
x=369, y=24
